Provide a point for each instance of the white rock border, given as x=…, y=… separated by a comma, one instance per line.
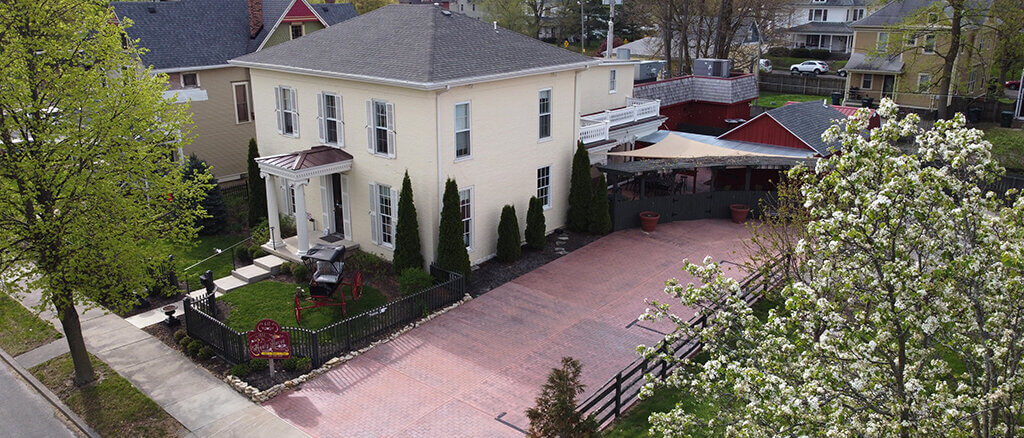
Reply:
x=258, y=396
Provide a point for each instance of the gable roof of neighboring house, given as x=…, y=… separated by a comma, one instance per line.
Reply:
x=805, y=120
x=196, y=33
x=416, y=46
x=895, y=12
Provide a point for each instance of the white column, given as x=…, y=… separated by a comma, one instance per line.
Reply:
x=272, y=213
x=301, y=224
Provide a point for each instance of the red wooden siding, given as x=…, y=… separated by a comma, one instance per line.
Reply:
x=765, y=130
x=707, y=114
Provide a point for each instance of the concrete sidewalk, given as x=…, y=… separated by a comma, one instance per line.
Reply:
x=202, y=403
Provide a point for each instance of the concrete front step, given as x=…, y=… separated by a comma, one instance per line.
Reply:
x=250, y=274
x=271, y=263
x=229, y=283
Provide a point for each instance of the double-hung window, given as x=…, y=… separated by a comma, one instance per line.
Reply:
x=383, y=214
x=929, y=44
x=190, y=80
x=296, y=30
x=544, y=104
x=544, y=186
x=883, y=41
x=923, y=82
x=817, y=14
x=331, y=122
x=380, y=128
x=866, y=82
x=243, y=105
x=613, y=81
x=857, y=14
x=466, y=207
x=287, y=111
x=462, y=126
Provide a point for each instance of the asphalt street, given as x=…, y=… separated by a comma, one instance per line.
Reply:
x=24, y=413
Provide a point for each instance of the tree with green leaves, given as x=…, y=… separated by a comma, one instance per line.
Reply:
x=407, y=234
x=88, y=189
x=216, y=218
x=579, y=191
x=555, y=414
x=256, y=187
x=510, y=245
x=600, y=214
x=535, y=227
x=451, y=245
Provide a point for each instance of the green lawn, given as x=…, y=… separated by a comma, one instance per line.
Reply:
x=1007, y=147
x=111, y=405
x=769, y=99
x=276, y=301
x=635, y=424
x=20, y=329
x=220, y=265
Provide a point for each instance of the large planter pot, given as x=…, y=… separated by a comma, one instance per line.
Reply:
x=739, y=212
x=649, y=220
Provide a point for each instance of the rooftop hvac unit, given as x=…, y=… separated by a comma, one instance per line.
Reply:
x=718, y=68
x=647, y=71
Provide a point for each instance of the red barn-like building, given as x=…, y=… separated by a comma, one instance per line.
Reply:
x=797, y=125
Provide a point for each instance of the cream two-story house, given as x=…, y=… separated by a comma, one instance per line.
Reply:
x=824, y=24
x=343, y=113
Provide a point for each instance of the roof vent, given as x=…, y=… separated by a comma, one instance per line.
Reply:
x=445, y=12
x=151, y=10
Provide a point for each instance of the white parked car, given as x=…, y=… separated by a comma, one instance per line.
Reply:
x=816, y=67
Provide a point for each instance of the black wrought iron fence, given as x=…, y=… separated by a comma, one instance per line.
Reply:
x=347, y=335
x=612, y=398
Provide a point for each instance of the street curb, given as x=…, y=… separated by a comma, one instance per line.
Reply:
x=48, y=395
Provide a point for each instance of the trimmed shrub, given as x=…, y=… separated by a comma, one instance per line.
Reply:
x=509, y=243
x=579, y=191
x=240, y=370
x=260, y=233
x=257, y=365
x=286, y=268
x=256, y=187
x=819, y=53
x=194, y=347
x=300, y=273
x=304, y=365
x=289, y=363
x=408, y=253
x=242, y=254
x=451, y=248
x=555, y=413
x=178, y=335
x=413, y=280
x=185, y=340
x=535, y=227
x=287, y=226
x=205, y=353
x=779, y=51
x=600, y=215
x=800, y=52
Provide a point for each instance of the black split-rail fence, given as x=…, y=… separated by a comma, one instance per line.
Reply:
x=334, y=340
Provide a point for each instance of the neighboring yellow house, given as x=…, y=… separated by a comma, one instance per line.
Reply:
x=897, y=53
x=342, y=114
x=192, y=40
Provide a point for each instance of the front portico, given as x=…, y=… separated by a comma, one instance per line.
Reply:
x=293, y=172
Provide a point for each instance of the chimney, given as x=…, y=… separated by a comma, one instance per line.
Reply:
x=255, y=17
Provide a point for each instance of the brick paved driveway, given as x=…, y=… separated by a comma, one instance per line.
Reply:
x=454, y=376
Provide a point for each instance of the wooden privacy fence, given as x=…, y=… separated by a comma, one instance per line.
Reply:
x=610, y=400
x=347, y=335
x=802, y=84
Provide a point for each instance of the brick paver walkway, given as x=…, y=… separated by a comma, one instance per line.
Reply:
x=455, y=375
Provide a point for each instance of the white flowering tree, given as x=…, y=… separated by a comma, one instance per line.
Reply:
x=904, y=316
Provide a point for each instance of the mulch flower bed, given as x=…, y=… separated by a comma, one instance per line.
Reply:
x=493, y=273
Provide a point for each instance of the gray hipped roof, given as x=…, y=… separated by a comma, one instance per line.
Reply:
x=418, y=46
x=196, y=33
x=807, y=121
x=895, y=12
x=862, y=62
x=826, y=27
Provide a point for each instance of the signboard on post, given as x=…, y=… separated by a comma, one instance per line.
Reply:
x=268, y=341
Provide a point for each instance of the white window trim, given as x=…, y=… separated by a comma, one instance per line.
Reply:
x=469, y=129
x=301, y=26
x=323, y=120
x=181, y=77
x=924, y=45
x=281, y=112
x=921, y=89
x=546, y=206
x=472, y=216
x=549, y=114
x=613, y=81
x=879, y=45
x=371, y=128
x=869, y=79
x=248, y=100
x=377, y=231
x=288, y=192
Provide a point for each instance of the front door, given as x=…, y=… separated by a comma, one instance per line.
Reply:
x=339, y=208
x=887, y=85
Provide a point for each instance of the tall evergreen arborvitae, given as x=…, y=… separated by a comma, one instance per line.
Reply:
x=257, y=189
x=451, y=248
x=535, y=226
x=600, y=215
x=509, y=243
x=407, y=232
x=579, y=191
x=213, y=203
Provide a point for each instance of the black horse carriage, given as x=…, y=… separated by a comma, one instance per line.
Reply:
x=326, y=263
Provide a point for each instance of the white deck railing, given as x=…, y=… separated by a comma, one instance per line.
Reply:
x=595, y=127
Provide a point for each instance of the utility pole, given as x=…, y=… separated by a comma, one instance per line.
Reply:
x=611, y=30
x=583, y=32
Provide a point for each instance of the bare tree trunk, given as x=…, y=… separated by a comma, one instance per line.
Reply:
x=76, y=343
x=666, y=35
x=722, y=29
x=950, y=59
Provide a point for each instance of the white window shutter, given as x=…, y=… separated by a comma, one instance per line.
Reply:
x=320, y=120
x=326, y=205
x=341, y=120
x=369, y=127
x=346, y=208
x=280, y=115
x=374, y=224
x=295, y=111
x=390, y=109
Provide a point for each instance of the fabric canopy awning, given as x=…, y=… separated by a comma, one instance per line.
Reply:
x=678, y=146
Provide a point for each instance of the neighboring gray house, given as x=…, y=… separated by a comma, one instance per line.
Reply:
x=825, y=24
